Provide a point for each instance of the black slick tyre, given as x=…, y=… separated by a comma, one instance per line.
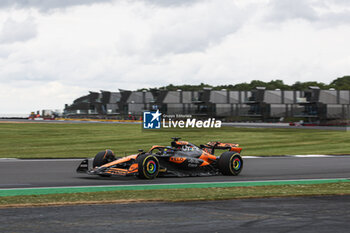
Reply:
x=148, y=166
x=230, y=163
x=103, y=157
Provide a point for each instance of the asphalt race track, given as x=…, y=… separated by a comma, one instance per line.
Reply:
x=15, y=173
x=293, y=214
x=299, y=214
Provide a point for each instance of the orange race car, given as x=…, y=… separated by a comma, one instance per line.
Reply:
x=180, y=159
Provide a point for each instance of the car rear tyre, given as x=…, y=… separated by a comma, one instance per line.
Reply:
x=230, y=163
x=148, y=166
x=103, y=157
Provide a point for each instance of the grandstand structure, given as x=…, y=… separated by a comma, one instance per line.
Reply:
x=258, y=104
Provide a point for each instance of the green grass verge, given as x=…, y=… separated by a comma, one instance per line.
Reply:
x=175, y=195
x=50, y=140
x=86, y=189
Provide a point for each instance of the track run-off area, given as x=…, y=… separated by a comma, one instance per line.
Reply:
x=45, y=176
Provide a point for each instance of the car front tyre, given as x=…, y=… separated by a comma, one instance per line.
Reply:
x=148, y=166
x=103, y=157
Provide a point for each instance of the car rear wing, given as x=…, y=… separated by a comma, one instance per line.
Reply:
x=220, y=145
x=223, y=146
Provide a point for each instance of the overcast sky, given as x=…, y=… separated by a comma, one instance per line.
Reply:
x=53, y=51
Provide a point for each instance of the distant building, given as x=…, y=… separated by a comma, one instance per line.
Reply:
x=325, y=104
x=258, y=104
x=95, y=105
x=270, y=104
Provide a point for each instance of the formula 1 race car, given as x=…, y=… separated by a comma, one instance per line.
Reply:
x=180, y=159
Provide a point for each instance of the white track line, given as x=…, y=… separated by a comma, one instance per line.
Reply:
x=36, y=160
x=296, y=156
x=313, y=156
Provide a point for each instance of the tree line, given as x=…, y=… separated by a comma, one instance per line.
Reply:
x=342, y=83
